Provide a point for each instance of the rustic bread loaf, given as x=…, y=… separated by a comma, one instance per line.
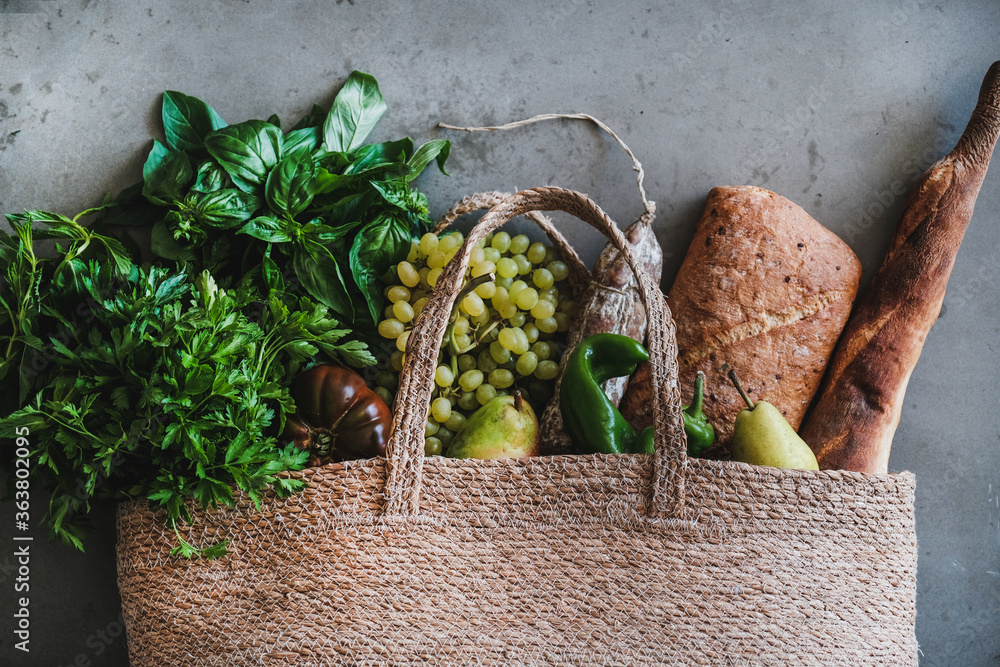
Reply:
x=765, y=289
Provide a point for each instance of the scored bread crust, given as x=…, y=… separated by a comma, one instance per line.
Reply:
x=766, y=289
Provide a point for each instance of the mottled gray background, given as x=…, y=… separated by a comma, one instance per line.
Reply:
x=837, y=106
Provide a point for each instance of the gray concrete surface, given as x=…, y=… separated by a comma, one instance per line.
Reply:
x=837, y=106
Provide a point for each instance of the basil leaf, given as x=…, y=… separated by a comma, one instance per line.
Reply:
x=247, y=151
x=165, y=174
x=268, y=228
x=270, y=272
x=211, y=177
x=163, y=244
x=356, y=109
x=309, y=138
x=432, y=150
x=321, y=277
x=289, y=188
x=395, y=193
x=388, y=154
x=322, y=233
x=325, y=182
x=187, y=121
x=380, y=244
x=225, y=208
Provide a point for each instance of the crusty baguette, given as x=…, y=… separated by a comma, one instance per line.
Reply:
x=764, y=288
x=854, y=420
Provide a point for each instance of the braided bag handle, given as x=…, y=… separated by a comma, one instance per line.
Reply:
x=405, y=451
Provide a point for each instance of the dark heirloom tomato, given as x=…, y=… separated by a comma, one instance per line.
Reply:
x=337, y=416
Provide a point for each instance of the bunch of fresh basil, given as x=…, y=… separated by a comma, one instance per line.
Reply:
x=341, y=212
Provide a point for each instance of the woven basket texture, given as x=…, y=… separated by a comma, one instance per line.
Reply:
x=553, y=560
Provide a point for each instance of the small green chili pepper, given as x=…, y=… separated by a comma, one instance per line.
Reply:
x=700, y=433
x=590, y=419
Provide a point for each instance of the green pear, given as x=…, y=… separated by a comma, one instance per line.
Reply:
x=504, y=428
x=762, y=436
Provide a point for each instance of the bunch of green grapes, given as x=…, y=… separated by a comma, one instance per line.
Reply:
x=505, y=333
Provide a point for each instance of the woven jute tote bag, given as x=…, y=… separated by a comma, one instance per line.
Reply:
x=558, y=560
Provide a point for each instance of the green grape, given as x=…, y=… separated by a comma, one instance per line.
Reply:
x=550, y=294
x=445, y=435
x=463, y=341
x=430, y=428
x=486, y=361
x=423, y=273
x=518, y=244
x=508, y=338
x=559, y=269
x=433, y=275
x=419, y=304
x=531, y=331
x=523, y=265
x=507, y=310
x=398, y=293
x=403, y=311
x=467, y=401
x=384, y=394
x=391, y=328
x=428, y=244
x=437, y=259
x=441, y=409
x=504, y=282
x=499, y=297
x=470, y=379
x=414, y=253
x=433, y=446
x=485, y=393
x=482, y=268
x=542, y=279
x=466, y=362
x=402, y=340
x=387, y=312
x=501, y=378
x=449, y=243
x=523, y=343
x=501, y=241
x=536, y=253
x=473, y=304
x=481, y=319
x=526, y=298
x=517, y=319
x=547, y=325
x=542, y=350
x=461, y=325
x=500, y=354
x=550, y=254
x=547, y=370
x=491, y=254
x=486, y=290
x=443, y=377
x=489, y=336
x=563, y=322
x=506, y=267
x=527, y=363
x=543, y=309
x=455, y=421
x=396, y=360
x=476, y=256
